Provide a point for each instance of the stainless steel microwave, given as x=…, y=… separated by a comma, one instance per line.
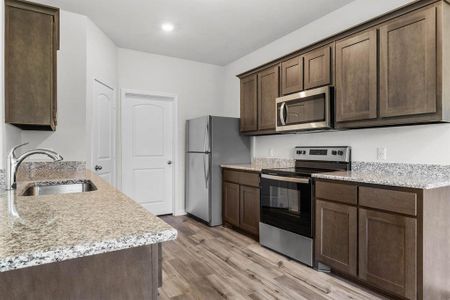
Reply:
x=306, y=110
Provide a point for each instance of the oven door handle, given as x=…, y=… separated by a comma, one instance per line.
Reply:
x=288, y=179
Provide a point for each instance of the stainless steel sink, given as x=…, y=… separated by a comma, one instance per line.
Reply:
x=59, y=188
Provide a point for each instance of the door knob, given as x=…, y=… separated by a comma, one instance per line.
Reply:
x=169, y=162
x=98, y=168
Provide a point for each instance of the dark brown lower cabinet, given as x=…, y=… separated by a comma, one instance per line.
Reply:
x=336, y=236
x=133, y=273
x=393, y=239
x=240, y=201
x=249, y=209
x=388, y=252
x=231, y=205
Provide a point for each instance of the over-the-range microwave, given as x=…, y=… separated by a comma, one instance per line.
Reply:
x=307, y=110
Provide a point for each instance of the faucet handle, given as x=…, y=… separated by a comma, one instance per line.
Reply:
x=12, y=152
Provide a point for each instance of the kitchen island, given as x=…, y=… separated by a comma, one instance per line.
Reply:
x=90, y=245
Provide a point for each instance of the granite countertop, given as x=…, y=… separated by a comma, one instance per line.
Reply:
x=394, y=174
x=260, y=163
x=36, y=230
x=245, y=167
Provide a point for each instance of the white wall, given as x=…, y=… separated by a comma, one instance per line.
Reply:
x=418, y=144
x=102, y=66
x=197, y=85
x=69, y=138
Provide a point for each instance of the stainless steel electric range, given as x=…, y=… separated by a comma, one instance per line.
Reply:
x=287, y=208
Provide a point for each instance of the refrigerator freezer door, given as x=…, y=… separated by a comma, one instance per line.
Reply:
x=198, y=185
x=198, y=135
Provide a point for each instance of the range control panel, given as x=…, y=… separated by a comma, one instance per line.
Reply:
x=333, y=153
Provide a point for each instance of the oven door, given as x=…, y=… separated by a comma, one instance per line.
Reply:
x=306, y=110
x=286, y=203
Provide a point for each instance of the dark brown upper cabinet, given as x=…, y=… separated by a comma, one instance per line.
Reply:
x=408, y=49
x=31, y=44
x=356, y=77
x=292, y=75
x=392, y=70
x=249, y=103
x=317, y=67
x=268, y=91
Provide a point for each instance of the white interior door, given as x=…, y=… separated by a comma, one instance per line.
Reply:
x=147, y=149
x=104, y=127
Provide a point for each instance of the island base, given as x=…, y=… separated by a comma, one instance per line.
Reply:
x=133, y=273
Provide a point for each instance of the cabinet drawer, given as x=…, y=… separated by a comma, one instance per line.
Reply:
x=339, y=192
x=231, y=176
x=395, y=201
x=244, y=178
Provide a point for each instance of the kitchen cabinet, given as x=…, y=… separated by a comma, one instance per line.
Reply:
x=408, y=52
x=356, y=77
x=249, y=209
x=389, y=71
x=390, y=238
x=231, y=204
x=31, y=44
x=268, y=91
x=336, y=236
x=387, y=252
x=249, y=104
x=240, y=200
x=317, y=67
x=292, y=76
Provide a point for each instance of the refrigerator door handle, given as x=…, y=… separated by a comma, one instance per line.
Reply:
x=206, y=169
x=206, y=139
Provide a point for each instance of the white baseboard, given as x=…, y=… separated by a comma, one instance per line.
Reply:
x=180, y=213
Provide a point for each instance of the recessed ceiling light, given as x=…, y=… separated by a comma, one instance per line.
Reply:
x=167, y=27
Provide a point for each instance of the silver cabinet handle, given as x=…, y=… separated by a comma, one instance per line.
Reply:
x=98, y=167
x=282, y=115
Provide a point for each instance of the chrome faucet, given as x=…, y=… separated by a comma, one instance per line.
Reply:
x=14, y=162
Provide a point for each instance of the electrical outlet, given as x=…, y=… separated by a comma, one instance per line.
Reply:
x=381, y=153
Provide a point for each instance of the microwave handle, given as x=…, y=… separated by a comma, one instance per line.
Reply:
x=282, y=114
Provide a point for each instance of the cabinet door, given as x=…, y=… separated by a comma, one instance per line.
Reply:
x=292, y=76
x=231, y=203
x=31, y=42
x=408, y=65
x=388, y=252
x=356, y=77
x=249, y=212
x=336, y=236
x=249, y=104
x=268, y=91
x=317, y=67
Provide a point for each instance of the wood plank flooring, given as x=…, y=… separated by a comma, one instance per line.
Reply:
x=219, y=263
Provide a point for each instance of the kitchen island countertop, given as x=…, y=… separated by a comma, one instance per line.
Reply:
x=36, y=230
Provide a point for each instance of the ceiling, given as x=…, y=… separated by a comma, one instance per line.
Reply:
x=210, y=31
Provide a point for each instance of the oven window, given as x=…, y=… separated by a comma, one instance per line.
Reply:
x=285, y=198
x=287, y=205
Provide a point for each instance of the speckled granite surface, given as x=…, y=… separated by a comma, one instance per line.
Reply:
x=394, y=174
x=262, y=163
x=37, y=230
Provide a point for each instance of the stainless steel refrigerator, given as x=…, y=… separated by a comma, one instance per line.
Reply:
x=210, y=142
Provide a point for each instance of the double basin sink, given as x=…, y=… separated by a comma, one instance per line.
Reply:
x=39, y=188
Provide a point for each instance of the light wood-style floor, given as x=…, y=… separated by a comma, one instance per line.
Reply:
x=219, y=263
